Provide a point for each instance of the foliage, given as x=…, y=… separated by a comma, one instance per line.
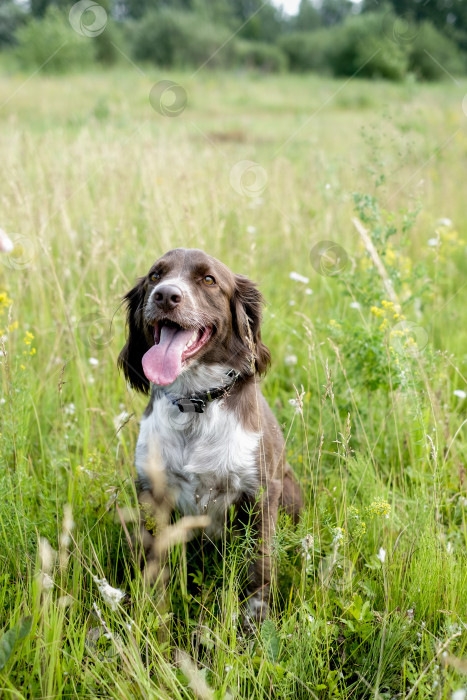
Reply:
x=432, y=55
x=172, y=38
x=51, y=45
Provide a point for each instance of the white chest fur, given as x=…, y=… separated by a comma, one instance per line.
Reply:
x=209, y=459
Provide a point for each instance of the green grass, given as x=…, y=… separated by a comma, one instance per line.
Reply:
x=99, y=185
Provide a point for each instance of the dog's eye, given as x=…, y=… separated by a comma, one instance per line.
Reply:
x=156, y=276
x=209, y=280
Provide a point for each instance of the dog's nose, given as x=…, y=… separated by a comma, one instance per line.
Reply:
x=168, y=297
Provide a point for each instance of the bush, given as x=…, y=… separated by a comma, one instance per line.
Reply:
x=11, y=18
x=360, y=46
x=307, y=51
x=39, y=39
x=171, y=38
x=256, y=54
x=432, y=54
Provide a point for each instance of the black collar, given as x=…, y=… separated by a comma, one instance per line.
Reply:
x=196, y=403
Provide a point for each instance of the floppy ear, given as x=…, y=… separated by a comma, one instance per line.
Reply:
x=136, y=345
x=246, y=308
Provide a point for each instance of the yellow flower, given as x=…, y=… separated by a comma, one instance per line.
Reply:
x=32, y=351
x=387, y=305
x=13, y=326
x=334, y=323
x=379, y=507
x=377, y=311
x=384, y=325
x=28, y=338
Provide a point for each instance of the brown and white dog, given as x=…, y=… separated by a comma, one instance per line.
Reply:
x=194, y=342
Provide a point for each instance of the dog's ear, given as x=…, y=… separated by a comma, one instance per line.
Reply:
x=246, y=308
x=136, y=345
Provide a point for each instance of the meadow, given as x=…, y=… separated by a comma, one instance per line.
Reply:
x=356, y=188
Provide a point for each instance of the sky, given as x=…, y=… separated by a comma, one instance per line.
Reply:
x=291, y=6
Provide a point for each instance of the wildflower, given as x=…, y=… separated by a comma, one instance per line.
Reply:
x=355, y=305
x=383, y=325
x=111, y=596
x=445, y=222
x=93, y=361
x=433, y=242
x=291, y=302
x=290, y=360
x=460, y=393
x=120, y=419
x=28, y=338
x=459, y=694
x=13, y=326
x=308, y=542
x=334, y=323
x=298, y=278
x=308, y=291
x=381, y=555
x=338, y=533
x=6, y=245
x=389, y=305
x=251, y=229
x=377, y=311
x=379, y=507
x=70, y=409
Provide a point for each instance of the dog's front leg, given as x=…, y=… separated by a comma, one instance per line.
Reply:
x=259, y=578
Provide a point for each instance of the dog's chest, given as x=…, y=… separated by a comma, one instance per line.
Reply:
x=210, y=460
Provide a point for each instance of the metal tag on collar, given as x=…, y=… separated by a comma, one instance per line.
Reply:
x=191, y=405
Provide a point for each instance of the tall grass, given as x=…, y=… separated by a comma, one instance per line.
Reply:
x=370, y=597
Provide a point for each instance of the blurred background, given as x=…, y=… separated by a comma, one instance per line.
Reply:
x=426, y=39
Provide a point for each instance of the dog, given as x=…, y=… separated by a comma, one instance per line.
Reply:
x=194, y=344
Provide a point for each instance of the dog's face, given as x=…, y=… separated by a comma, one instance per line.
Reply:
x=191, y=308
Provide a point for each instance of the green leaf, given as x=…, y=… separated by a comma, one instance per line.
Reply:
x=270, y=639
x=9, y=639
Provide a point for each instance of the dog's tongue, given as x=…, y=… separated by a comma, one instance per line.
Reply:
x=163, y=362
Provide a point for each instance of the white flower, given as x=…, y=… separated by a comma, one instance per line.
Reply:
x=298, y=278
x=338, y=535
x=296, y=404
x=310, y=618
x=6, y=246
x=111, y=596
x=93, y=361
x=459, y=694
x=121, y=419
x=308, y=291
x=291, y=302
x=70, y=409
x=290, y=360
x=355, y=305
x=444, y=222
x=327, y=186
x=460, y=393
x=308, y=542
x=381, y=555
x=433, y=242
x=251, y=229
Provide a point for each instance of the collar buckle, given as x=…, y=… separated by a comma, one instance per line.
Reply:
x=190, y=405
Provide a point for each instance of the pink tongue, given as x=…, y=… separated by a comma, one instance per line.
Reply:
x=163, y=362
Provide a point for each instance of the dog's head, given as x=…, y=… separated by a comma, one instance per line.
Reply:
x=190, y=308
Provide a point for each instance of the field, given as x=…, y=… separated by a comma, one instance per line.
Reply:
x=371, y=334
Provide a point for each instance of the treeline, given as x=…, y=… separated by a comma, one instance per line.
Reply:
x=333, y=37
